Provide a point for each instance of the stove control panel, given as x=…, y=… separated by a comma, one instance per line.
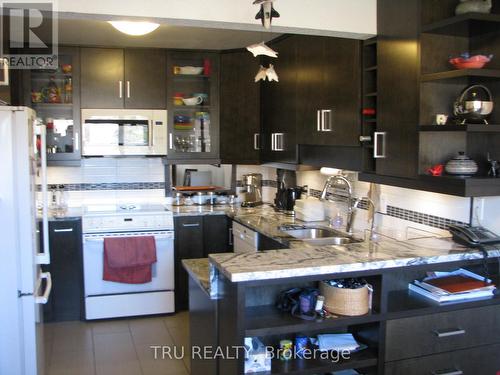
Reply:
x=127, y=222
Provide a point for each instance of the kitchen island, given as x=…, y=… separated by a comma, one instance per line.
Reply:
x=401, y=330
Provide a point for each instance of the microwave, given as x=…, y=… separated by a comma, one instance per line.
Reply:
x=121, y=132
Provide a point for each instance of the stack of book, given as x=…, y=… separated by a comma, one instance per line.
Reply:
x=453, y=286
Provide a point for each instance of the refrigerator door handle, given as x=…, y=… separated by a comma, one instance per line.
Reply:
x=44, y=298
x=44, y=257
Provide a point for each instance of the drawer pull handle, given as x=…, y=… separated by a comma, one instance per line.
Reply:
x=191, y=225
x=456, y=332
x=448, y=372
x=63, y=230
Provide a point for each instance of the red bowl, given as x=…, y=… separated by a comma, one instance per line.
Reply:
x=473, y=62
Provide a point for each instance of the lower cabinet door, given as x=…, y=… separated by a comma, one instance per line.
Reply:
x=482, y=360
x=442, y=332
x=188, y=245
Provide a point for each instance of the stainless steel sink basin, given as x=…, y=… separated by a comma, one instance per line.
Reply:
x=320, y=235
x=312, y=233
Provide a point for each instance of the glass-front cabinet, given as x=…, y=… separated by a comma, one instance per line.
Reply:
x=193, y=105
x=54, y=95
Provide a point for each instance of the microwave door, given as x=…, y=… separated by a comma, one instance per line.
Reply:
x=134, y=134
x=101, y=138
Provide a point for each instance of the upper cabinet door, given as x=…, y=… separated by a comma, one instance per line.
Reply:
x=279, y=139
x=342, y=92
x=102, y=75
x=398, y=88
x=145, y=79
x=329, y=87
x=239, y=109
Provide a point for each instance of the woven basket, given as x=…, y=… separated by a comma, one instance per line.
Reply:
x=350, y=302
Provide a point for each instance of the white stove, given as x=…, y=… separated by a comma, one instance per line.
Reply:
x=107, y=299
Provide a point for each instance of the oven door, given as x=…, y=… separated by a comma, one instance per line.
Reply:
x=162, y=271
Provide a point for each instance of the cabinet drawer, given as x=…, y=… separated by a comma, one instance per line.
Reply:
x=482, y=360
x=437, y=333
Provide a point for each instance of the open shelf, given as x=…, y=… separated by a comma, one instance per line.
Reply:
x=406, y=303
x=480, y=186
x=473, y=128
x=362, y=359
x=267, y=320
x=460, y=73
x=53, y=105
x=470, y=24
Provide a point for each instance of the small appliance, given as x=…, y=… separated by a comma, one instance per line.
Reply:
x=286, y=197
x=474, y=104
x=121, y=132
x=252, y=196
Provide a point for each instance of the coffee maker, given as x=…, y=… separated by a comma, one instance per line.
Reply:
x=252, y=195
x=287, y=192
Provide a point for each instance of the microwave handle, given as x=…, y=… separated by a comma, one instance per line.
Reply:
x=150, y=133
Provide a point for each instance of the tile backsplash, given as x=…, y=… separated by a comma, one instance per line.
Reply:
x=401, y=207
x=109, y=170
x=117, y=180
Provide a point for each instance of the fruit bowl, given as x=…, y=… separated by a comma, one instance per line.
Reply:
x=465, y=61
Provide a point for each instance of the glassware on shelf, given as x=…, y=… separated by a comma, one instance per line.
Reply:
x=68, y=90
x=52, y=92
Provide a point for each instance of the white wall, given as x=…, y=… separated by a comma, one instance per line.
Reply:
x=355, y=19
x=488, y=213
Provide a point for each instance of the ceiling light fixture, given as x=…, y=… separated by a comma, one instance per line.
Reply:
x=134, y=28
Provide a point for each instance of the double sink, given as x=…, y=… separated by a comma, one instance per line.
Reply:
x=318, y=234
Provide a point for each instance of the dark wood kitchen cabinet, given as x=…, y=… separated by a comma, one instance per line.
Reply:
x=117, y=78
x=396, y=137
x=102, y=78
x=196, y=237
x=217, y=234
x=317, y=100
x=239, y=109
x=279, y=100
x=145, y=78
x=328, y=91
x=66, y=269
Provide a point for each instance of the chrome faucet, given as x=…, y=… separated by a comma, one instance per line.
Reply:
x=372, y=218
x=341, y=180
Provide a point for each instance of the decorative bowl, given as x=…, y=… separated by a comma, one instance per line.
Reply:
x=461, y=165
x=465, y=61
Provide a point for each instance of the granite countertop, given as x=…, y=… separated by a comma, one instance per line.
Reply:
x=202, y=273
x=319, y=260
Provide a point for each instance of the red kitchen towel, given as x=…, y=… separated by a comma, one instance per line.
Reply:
x=129, y=259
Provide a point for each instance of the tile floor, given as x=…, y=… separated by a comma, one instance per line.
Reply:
x=116, y=347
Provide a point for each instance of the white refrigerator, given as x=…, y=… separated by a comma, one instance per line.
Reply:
x=24, y=288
